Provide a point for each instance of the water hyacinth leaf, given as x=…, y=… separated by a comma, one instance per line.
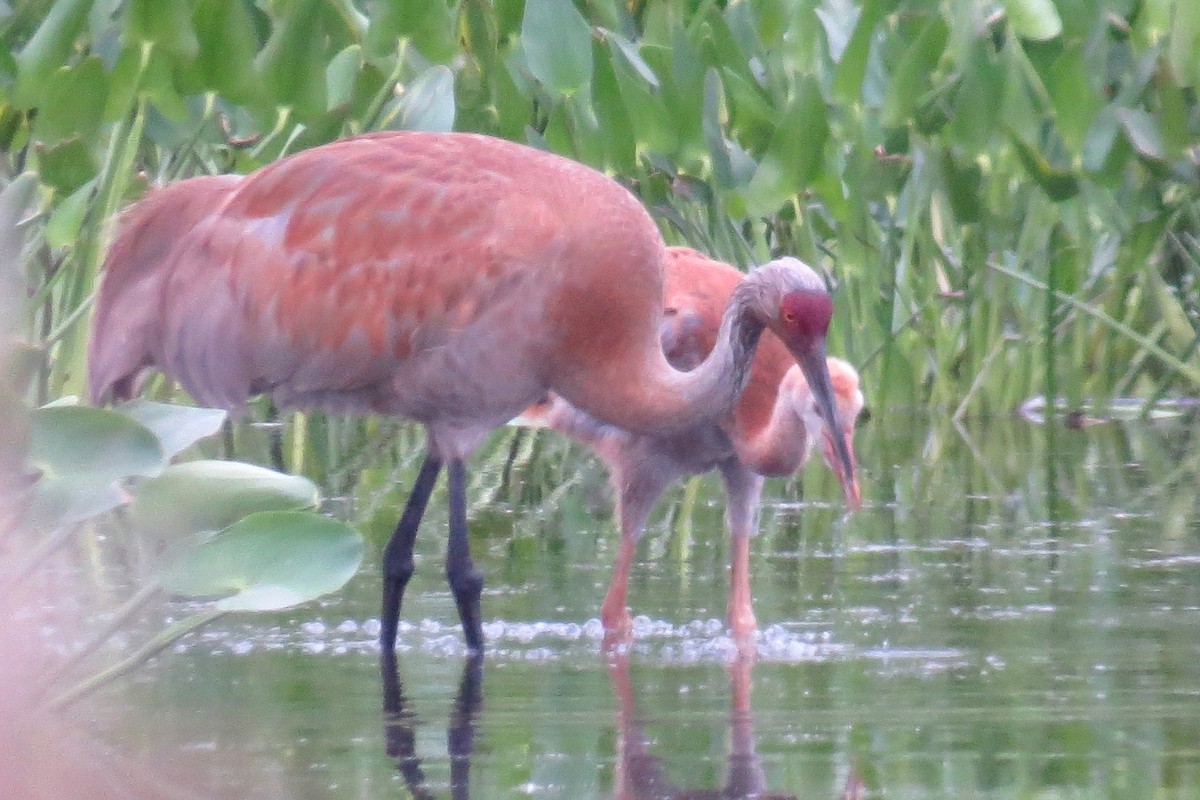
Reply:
x=61, y=501
x=429, y=26
x=852, y=67
x=66, y=166
x=911, y=76
x=94, y=445
x=292, y=63
x=62, y=228
x=226, y=49
x=714, y=134
x=838, y=19
x=1142, y=131
x=165, y=23
x=630, y=53
x=199, y=496
x=49, y=48
x=341, y=76
x=1034, y=19
x=72, y=102
x=794, y=156
x=177, y=427
x=268, y=561
x=558, y=45
x=427, y=104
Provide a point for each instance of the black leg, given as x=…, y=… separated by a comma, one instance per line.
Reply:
x=398, y=555
x=465, y=581
x=460, y=736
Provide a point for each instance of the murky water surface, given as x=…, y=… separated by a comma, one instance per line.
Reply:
x=1015, y=613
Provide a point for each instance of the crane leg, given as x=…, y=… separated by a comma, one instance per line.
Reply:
x=465, y=580
x=398, y=555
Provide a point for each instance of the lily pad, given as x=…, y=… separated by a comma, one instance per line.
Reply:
x=177, y=427
x=269, y=561
x=199, y=496
x=92, y=445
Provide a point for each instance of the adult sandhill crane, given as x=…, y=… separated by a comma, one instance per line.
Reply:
x=773, y=428
x=448, y=278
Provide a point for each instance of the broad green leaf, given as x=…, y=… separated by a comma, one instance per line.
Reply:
x=1034, y=19
x=838, y=19
x=910, y=78
x=49, y=48
x=198, y=496
x=1183, y=48
x=292, y=63
x=62, y=228
x=1075, y=103
x=714, y=134
x=558, y=45
x=269, y=561
x=66, y=501
x=93, y=444
x=427, y=104
x=165, y=23
x=619, y=139
x=1142, y=131
x=72, y=103
x=177, y=427
x=794, y=156
x=847, y=81
x=226, y=48
x=429, y=25
x=341, y=76
x=629, y=51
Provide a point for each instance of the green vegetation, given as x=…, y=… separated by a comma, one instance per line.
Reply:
x=1004, y=193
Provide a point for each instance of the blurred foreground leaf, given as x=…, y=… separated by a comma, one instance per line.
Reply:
x=269, y=560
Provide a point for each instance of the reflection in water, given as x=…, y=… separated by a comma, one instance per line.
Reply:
x=640, y=774
x=400, y=727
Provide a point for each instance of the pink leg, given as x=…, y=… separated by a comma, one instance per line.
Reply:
x=743, y=489
x=741, y=605
x=614, y=612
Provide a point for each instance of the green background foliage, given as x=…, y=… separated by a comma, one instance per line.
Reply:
x=1003, y=194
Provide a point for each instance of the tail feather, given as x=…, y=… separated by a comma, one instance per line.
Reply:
x=126, y=322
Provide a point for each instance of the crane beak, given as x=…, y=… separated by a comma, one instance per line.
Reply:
x=849, y=483
x=841, y=458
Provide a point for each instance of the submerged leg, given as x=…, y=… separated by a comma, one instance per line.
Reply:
x=398, y=555
x=638, y=485
x=465, y=580
x=743, y=490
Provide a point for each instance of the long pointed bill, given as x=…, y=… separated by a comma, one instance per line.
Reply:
x=849, y=487
x=816, y=372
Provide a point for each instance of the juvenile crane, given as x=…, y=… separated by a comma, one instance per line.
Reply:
x=453, y=279
x=772, y=430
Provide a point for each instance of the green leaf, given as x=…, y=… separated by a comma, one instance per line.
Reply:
x=1034, y=19
x=910, y=79
x=1059, y=184
x=226, y=48
x=429, y=25
x=269, y=561
x=427, y=104
x=1142, y=131
x=292, y=63
x=199, y=496
x=794, y=156
x=49, y=48
x=177, y=427
x=341, y=76
x=847, y=81
x=558, y=45
x=62, y=229
x=166, y=23
x=714, y=134
x=629, y=52
x=72, y=103
x=93, y=444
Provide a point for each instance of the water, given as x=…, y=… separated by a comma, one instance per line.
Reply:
x=1014, y=614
